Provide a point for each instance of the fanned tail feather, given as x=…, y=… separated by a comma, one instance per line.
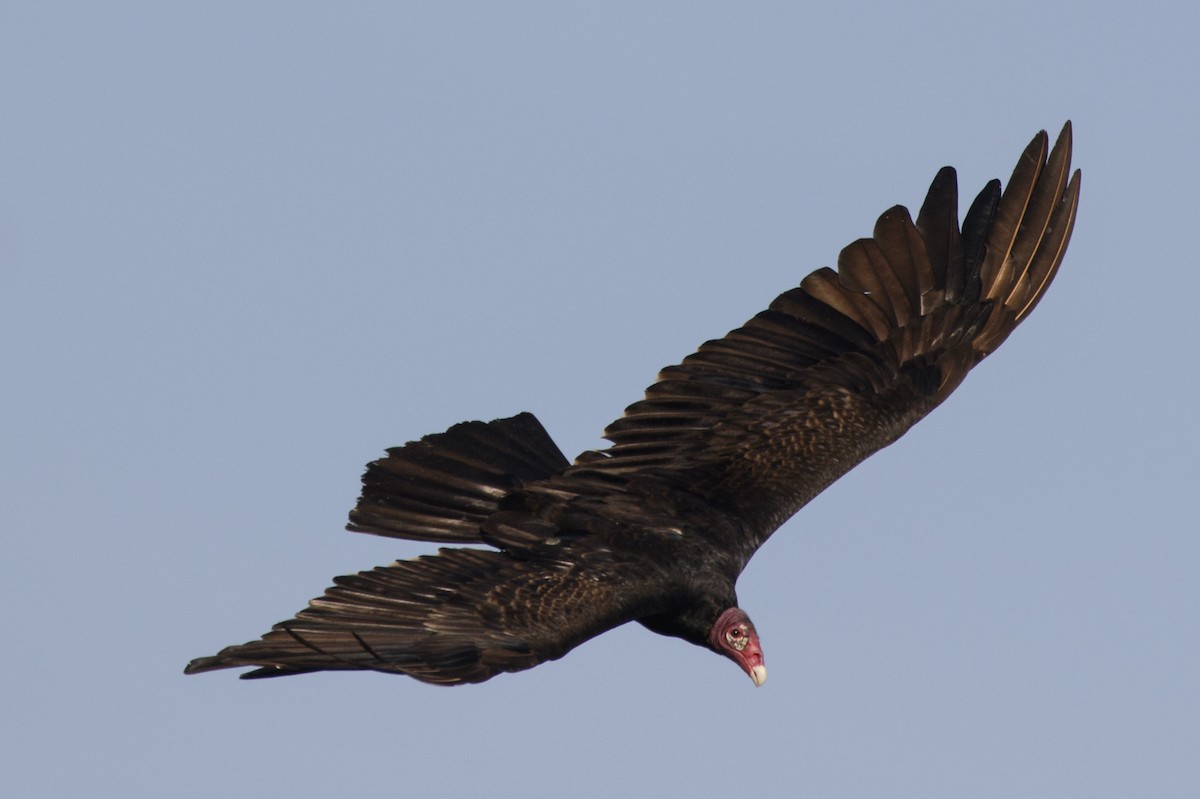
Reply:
x=443, y=487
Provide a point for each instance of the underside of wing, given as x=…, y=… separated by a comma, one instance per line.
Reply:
x=766, y=417
x=461, y=616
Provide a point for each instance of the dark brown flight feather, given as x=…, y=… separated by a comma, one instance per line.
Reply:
x=724, y=448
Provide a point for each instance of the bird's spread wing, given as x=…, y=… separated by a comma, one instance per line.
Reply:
x=763, y=419
x=461, y=616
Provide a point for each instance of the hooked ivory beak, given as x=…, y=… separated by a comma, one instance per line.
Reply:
x=759, y=675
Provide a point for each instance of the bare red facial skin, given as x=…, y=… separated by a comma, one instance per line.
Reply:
x=734, y=636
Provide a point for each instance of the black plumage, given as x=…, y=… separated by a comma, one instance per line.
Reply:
x=724, y=448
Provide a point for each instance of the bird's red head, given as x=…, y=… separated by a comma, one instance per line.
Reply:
x=733, y=635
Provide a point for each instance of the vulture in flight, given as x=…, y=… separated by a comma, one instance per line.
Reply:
x=723, y=449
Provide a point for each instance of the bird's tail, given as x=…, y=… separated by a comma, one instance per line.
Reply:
x=444, y=486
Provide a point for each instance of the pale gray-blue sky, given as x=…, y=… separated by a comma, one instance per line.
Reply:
x=246, y=246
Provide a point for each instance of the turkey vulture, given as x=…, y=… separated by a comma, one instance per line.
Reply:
x=724, y=447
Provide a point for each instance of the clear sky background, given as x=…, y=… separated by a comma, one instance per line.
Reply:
x=246, y=246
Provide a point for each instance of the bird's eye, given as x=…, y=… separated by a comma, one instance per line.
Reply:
x=737, y=638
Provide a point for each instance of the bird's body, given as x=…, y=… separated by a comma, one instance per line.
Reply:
x=723, y=449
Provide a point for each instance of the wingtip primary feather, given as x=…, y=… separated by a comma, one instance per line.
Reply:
x=1032, y=229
